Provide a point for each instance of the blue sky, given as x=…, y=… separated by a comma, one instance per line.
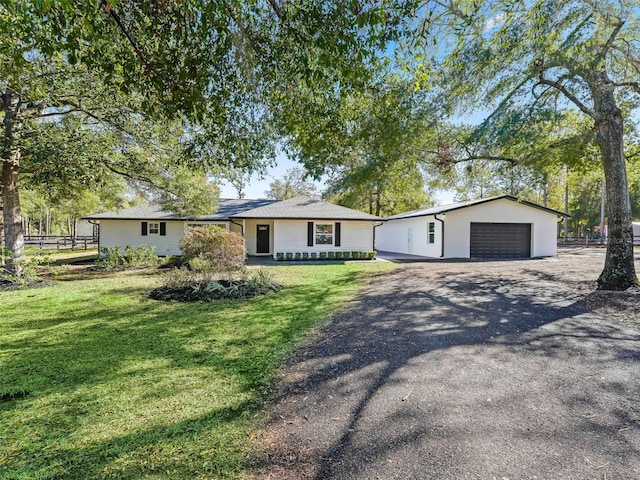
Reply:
x=256, y=188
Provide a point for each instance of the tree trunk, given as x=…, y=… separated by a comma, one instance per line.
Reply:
x=603, y=192
x=619, y=270
x=11, y=213
x=566, y=205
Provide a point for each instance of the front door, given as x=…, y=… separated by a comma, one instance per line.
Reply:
x=262, y=239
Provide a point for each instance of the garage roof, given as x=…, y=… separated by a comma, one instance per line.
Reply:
x=457, y=206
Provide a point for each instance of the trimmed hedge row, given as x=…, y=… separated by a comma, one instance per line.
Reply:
x=303, y=256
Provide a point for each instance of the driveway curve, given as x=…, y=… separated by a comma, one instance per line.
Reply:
x=466, y=370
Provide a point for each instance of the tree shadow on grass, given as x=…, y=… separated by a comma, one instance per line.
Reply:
x=111, y=367
x=380, y=381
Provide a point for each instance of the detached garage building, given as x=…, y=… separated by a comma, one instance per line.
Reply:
x=498, y=227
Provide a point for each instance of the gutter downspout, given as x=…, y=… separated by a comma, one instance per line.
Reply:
x=98, y=224
x=241, y=225
x=435, y=216
x=375, y=225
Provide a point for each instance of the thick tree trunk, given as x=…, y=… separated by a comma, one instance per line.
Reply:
x=13, y=232
x=619, y=270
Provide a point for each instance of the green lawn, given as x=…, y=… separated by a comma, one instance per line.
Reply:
x=98, y=381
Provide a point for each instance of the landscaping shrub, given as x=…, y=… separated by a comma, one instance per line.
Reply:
x=338, y=255
x=288, y=256
x=217, y=250
x=280, y=256
x=112, y=258
x=355, y=255
x=323, y=255
x=28, y=277
x=331, y=255
x=314, y=255
x=346, y=255
x=186, y=285
x=298, y=255
x=142, y=256
x=305, y=255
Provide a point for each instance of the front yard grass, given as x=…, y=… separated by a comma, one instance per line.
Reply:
x=98, y=381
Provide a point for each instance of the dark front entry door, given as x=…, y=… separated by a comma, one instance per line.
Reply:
x=262, y=239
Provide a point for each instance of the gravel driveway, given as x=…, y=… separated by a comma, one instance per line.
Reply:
x=466, y=370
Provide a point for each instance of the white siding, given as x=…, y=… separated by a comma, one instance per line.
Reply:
x=291, y=236
x=394, y=235
x=409, y=235
x=458, y=226
x=250, y=235
x=124, y=233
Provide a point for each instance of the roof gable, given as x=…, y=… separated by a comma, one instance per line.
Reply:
x=457, y=206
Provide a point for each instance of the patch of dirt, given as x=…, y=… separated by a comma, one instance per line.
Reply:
x=9, y=285
x=623, y=304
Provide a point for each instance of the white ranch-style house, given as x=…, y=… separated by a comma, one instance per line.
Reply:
x=497, y=227
x=269, y=227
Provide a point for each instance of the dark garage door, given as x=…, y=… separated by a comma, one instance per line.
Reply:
x=500, y=240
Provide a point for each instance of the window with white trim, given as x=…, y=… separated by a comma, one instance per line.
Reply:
x=431, y=233
x=154, y=228
x=324, y=233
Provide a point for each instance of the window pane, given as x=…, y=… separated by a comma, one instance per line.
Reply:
x=154, y=227
x=324, y=239
x=326, y=228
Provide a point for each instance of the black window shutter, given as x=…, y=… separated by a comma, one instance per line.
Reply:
x=144, y=228
x=163, y=228
x=337, y=235
x=309, y=234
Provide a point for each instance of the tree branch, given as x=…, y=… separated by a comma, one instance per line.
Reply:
x=493, y=158
x=565, y=91
x=137, y=178
x=633, y=85
x=108, y=8
x=605, y=49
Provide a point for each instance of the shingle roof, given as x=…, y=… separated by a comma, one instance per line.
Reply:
x=305, y=207
x=297, y=208
x=227, y=207
x=457, y=206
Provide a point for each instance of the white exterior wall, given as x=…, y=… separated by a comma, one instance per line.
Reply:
x=393, y=235
x=251, y=232
x=291, y=236
x=458, y=226
x=409, y=235
x=124, y=233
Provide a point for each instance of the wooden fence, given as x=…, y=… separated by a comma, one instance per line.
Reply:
x=588, y=241
x=59, y=242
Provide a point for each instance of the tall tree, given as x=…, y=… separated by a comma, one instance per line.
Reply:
x=369, y=143
x=293, y=183
x=225, y=66
x=529, y=57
